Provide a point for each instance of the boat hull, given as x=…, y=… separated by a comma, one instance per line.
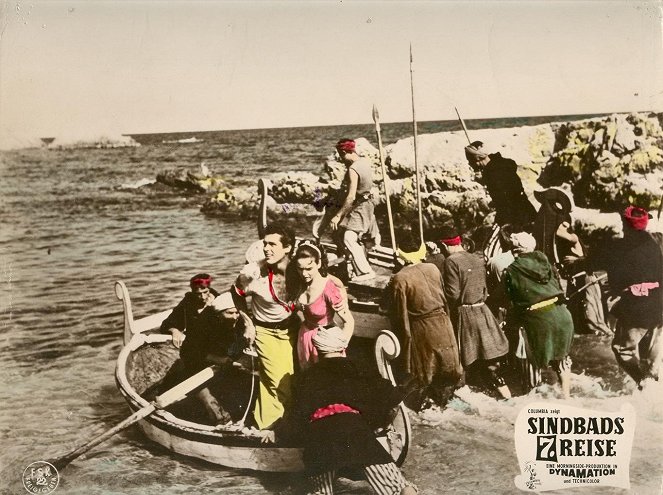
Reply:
x=198, y=440
x=147, y=357
x=255, y=458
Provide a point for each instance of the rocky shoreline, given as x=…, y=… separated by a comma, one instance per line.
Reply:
x=605, y=162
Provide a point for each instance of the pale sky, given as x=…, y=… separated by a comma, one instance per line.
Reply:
x=91, y=68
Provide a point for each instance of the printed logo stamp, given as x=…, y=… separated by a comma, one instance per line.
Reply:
x=41, y=477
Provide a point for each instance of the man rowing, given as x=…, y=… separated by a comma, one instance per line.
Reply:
x=211, y=324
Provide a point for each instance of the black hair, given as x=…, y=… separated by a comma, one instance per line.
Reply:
x=311, y=249
x=293, y=281
x=285, y=232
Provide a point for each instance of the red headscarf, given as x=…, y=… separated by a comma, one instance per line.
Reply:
x=201, y=280
x=452, y=241
x=347, y=145
x=449, y=235
x=636, y=217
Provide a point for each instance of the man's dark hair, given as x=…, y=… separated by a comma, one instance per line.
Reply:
x=285, y=232
x=408, y=241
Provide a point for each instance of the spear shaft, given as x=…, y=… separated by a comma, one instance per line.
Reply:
x=385, y=179
x=463, y=126
x=416, y=161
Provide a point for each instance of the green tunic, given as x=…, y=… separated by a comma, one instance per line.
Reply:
x=529, y=280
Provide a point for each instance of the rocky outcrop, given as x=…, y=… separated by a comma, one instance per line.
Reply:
x=607, y=162
x=200, y=181
x=610, y=161
x=234, y=202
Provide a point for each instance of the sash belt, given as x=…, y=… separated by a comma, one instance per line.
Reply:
x=435, y=312
x=275, y=325
x=330, y=410
x=475, y=305
x=542, y=304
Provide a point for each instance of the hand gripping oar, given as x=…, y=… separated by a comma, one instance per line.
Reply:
x=171, y=396
x=385, y=179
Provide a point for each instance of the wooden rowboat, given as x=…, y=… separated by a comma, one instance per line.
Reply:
x=146, y=357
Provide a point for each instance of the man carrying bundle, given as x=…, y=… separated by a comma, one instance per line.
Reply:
x=356, y=212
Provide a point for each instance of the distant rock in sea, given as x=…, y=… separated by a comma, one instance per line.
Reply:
x=102, y=142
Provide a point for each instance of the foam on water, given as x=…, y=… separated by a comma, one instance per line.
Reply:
x=139, y=183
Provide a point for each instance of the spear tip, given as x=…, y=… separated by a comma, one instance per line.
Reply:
x=376, y=115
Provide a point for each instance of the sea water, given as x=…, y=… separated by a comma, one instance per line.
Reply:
x=76, y=220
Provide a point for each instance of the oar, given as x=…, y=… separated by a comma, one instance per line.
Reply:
x=584, y=287
x=463, y=126
x=416, y=162
x=385, y=179
x=171, y=396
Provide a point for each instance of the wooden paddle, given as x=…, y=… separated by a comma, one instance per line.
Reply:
x=171, y=396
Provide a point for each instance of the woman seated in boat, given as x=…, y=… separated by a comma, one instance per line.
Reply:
x=212, y=326
x=336, y=410
x=319, y=297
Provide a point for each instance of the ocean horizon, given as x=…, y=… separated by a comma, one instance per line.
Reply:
x=423, y=127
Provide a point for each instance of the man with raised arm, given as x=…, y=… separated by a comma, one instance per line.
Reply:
x=274, y=325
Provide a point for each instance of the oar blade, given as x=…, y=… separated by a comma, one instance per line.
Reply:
x=174, y=394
